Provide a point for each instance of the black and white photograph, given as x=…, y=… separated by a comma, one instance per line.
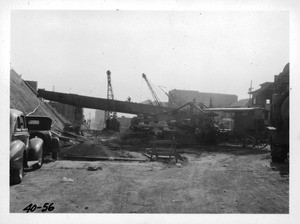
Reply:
x=150, y=112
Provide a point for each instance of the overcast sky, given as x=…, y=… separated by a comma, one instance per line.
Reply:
x=207, y=51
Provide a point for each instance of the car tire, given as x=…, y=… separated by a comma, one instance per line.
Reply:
x=260, y=143
x=39, y=164
x=278, y=154
x=17, y=176
x=54, y=155
x=41, y=160
x=55, y=148
x=248, y=142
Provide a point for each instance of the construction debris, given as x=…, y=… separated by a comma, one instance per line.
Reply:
x=66, y=179
x=94, y=168
x=96, y=158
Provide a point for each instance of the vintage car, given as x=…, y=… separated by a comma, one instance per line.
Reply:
x=23, y=150
x=40, y=126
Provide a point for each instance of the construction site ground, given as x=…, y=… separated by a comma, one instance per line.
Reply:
x=210, y=179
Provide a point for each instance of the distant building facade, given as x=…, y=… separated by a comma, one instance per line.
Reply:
x=125, y=123
x=263, y=96
x=180, y=97
x=99, y=122
x=240, y=103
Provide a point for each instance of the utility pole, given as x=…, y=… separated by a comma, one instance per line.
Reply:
x=90, y=121
x=250, y=90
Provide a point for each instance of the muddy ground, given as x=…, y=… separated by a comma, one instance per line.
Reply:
x=210, y=180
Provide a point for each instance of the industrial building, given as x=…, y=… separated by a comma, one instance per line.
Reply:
x=262, y=97
x=99, y=119
x=181, y=97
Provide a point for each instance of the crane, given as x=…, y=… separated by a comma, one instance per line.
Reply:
x=110, y=97
x=169, y=96
x=155, y=96
x=112, y=123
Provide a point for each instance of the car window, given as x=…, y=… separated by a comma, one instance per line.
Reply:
x=19, y=126
x=13, y=126
x=22, y=123
x=39, y=123
x=33, y=122
x=25, y=123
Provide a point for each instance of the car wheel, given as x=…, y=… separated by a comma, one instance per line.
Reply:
x=54, y=155
x=39, y=164
x=248, y=142
x=55, y=148
x=17, y=176
x=278, y=154
x=260, y=144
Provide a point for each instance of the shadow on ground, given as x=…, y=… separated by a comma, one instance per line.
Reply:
x=234, y=150
x=283, y=168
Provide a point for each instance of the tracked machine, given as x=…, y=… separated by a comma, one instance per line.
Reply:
x=279, y=117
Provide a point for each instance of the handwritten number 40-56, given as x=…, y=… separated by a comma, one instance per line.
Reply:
x=45, y=208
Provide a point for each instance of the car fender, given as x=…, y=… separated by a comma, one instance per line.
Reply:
x=35, y=149
x=17, y=148
x=44, y=135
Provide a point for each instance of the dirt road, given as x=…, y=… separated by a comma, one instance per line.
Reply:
x=221, y=180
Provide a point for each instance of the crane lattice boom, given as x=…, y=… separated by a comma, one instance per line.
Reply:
x=156, y=99
x=110, y=97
